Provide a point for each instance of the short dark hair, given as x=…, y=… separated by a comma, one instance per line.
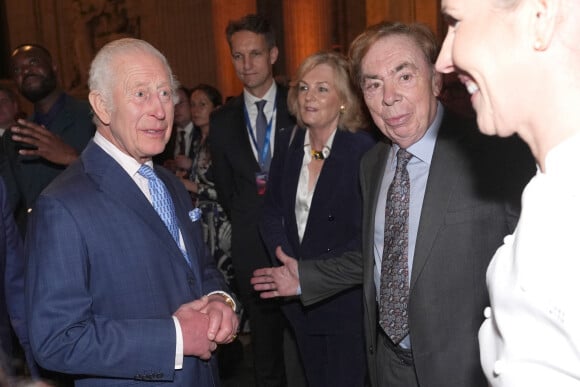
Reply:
x=211, y=92
x=419, y=33
x=185, y=90
x=36, y=46
x=255, y=23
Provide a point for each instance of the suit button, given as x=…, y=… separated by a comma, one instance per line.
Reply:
x=371, y=349
x=330, y=218
x=498, y=367
x=190, y=281
x=487, y=312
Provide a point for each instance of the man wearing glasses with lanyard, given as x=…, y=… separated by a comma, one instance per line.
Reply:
x=242, y=135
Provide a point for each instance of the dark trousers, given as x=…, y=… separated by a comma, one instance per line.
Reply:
x=267, y=337
x=333, y=360
x=394, y=367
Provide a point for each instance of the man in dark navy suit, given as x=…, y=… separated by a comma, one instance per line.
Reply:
x=240, y=165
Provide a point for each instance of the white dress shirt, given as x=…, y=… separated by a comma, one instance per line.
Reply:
x=303, y=195
x=187, y=138
x=250, y=101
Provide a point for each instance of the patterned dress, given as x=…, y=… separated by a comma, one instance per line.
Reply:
x=216, y=225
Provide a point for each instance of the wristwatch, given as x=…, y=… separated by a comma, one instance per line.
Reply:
x=227, y=299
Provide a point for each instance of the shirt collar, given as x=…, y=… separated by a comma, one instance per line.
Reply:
x=188, y=129
x=251, y=99
x=128, y=163
x=325, y=149
x=423, y=149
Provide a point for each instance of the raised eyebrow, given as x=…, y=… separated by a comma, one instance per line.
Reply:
x=404, y=65
x=371, y=77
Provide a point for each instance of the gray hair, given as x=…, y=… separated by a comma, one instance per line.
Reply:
x=102, y=73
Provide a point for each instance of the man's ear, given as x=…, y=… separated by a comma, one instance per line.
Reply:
x=100, y=107
x=545, y=13
x=437, y=82
x=273, y=55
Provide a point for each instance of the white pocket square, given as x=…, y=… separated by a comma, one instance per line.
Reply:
x=195, y=214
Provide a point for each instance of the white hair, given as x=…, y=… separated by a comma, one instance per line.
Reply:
x=102, y=75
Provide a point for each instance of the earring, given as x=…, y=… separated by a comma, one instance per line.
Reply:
x=342, y=109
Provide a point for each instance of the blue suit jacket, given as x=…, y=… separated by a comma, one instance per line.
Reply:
x=333, y=226
x=105, y=276
x=12, y=283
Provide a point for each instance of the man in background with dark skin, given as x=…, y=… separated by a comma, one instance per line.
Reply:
x=59, y=129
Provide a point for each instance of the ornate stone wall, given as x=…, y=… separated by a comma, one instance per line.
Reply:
x=191, y=32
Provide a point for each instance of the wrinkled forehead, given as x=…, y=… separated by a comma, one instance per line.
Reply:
x=141, y=67
x=393, y=53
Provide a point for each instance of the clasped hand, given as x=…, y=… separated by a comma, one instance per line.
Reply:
x=44, y=143
x=278, y=281
x=205, y=323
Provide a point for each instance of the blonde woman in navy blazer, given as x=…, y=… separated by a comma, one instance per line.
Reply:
x=321, y=156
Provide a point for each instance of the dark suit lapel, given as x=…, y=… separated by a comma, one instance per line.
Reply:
x=373, y=169
x=120, y=187
x=240, y=136
x=292, y=168
x=325, y=187
x=443, y=176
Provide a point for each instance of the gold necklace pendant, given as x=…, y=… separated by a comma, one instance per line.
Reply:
x=318, y=155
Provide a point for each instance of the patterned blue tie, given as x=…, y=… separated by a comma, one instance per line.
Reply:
x=394, y=289
x=163, y=204
x=261, y=126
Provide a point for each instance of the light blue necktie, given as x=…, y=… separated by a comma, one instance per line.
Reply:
x=163, y=204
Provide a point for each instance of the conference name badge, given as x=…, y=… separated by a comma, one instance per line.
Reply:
x=261, y=180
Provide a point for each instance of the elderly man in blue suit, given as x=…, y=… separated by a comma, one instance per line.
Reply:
x=120, y=288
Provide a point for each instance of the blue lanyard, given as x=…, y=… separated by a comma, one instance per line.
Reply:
x=263, y=154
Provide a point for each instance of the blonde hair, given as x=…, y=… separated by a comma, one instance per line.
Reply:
x=351, y=117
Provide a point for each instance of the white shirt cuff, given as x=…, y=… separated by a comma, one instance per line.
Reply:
x=178, y=345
